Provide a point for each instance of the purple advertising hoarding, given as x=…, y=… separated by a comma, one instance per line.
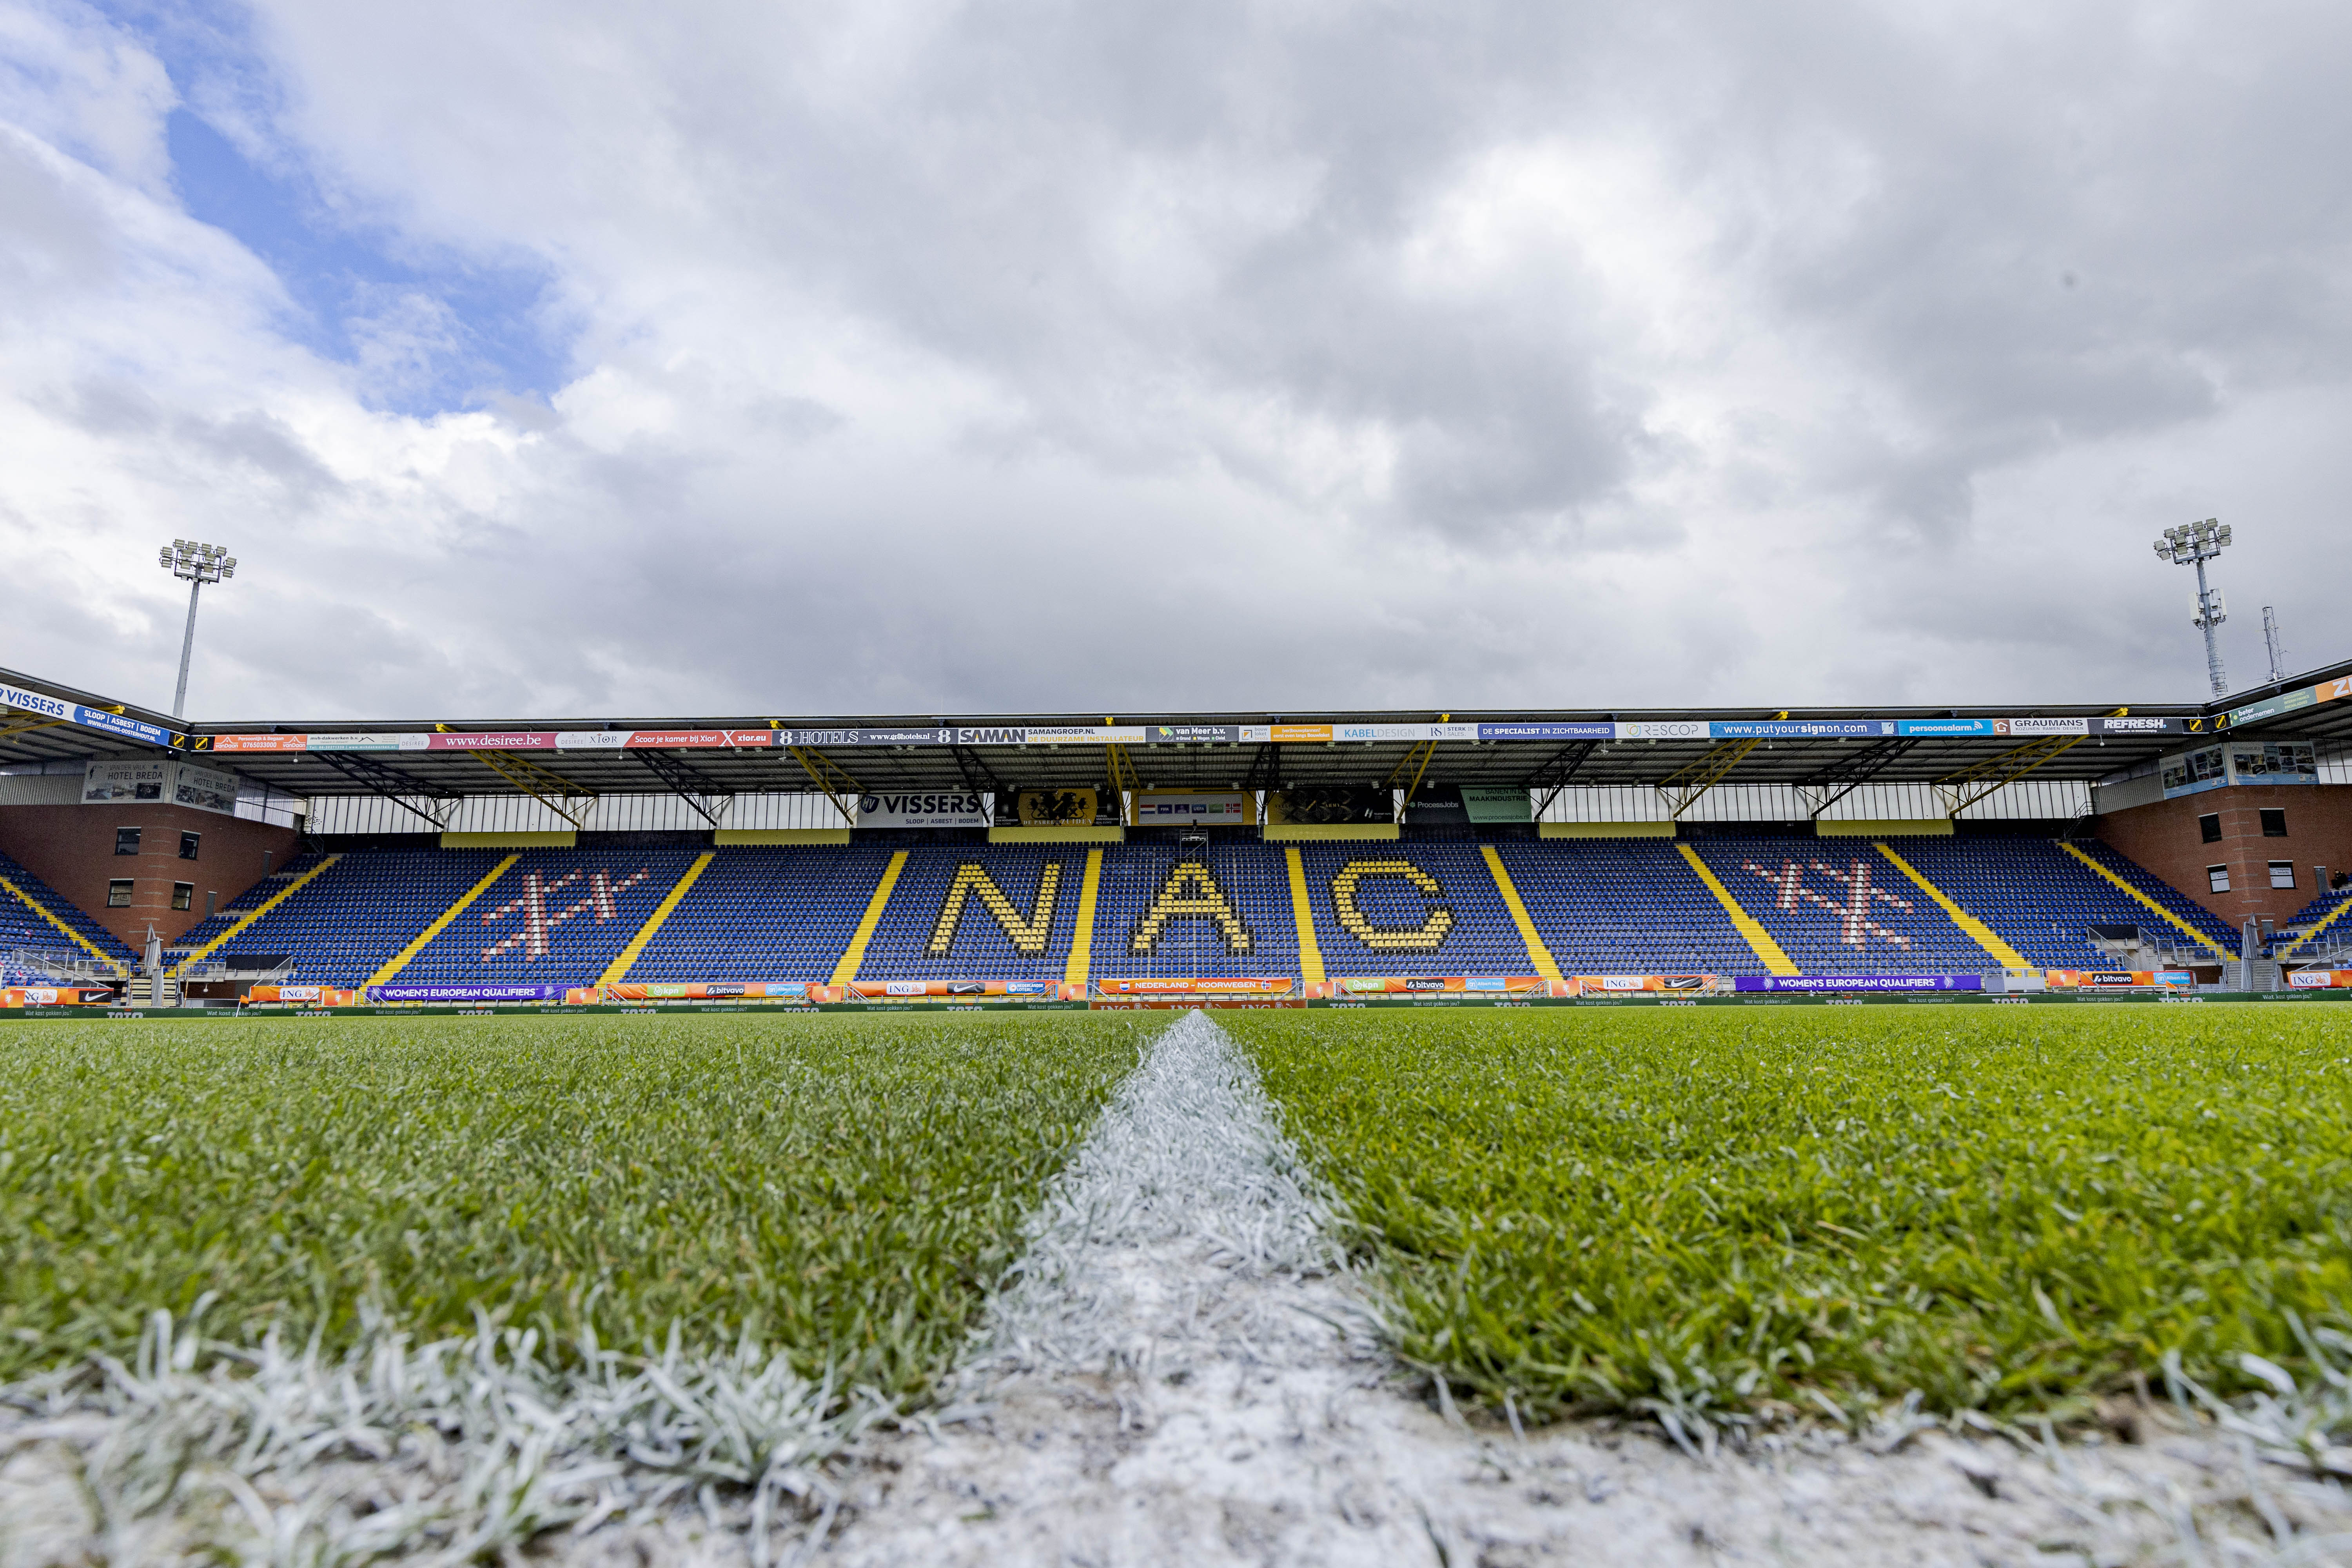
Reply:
x=1858, y=983
x=465, y=992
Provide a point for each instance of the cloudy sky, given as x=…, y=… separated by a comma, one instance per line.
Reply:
x=567, y=359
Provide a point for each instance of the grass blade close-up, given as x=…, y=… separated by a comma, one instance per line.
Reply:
x=1717, y=1211
x=843, y=1190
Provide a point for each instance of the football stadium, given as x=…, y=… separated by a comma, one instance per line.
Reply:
x=450, y=1139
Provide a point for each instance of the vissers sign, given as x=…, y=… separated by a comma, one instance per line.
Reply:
x=923, y=811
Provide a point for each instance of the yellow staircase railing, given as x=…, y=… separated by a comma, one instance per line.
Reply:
x=400, y=960
x=2320, y=925
x=1302, y=914
x=1768, y=951
x=2223, y=953
x=79, y=940
x=1986, y=937
x=293, y=886
x=1537, y=954
x=619, y=968
x=1082, y=939
x=855, y=954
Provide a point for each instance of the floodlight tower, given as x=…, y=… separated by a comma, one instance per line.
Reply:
x=2193, y=544
x=199, y=564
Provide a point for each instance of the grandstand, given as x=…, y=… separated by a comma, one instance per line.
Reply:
x=563, y=854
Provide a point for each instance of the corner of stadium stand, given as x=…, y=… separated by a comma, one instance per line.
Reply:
x=567, y=853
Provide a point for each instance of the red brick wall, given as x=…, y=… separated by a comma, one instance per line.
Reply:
x=2164, y=837
x=71, y=847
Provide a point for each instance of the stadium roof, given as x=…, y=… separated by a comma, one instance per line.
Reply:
x=1823, y=748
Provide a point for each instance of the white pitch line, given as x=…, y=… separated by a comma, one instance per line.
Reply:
x=1185, y=1372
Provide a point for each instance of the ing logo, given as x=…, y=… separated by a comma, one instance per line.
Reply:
x=539, y=922
x=1851, y=905
x=1436, y=922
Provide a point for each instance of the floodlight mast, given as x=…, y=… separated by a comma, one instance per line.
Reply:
x=2194, y=544
x=198, y=564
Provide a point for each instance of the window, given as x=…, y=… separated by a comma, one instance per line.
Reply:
x=183, y=894
x=126, y=841
x=2274, y=824
x=2217, y=877
x=118, y=894
x=188, y=845
x=2282, y=873
x=2210, y=825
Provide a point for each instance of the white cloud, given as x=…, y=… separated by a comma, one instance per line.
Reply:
x=927, y=358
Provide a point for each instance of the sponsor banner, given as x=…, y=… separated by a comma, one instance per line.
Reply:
x=304, y=995
x=1798, y=728
x=863, y=737
x=493, y=740
x=87, y=718
x=703, y=991
x=1592, y=730
x=1296, y=807
x=1061, y=807
x=1195, y=808
x=1442, y=984
x=1858, y=983
x=204, y=789
x=949, y=810
x=2273, y=762
x=466, y=993
x=1944, y=727
x=2042, y=726
x=2116, y=979
x=1205, y=985
x=2319, y=979
x=659, y=740
x=2285, y=702
x=117, y=782
x=2130, y=724
x=55, y=996
x=117, y=724
x=1666, y=729
x=966, y=990
x=256, y=743
x=1192, y=734
x=366, y=742
x=1608, y=983
x=1080, y=734
x=1491, y=803
x=2191, y=772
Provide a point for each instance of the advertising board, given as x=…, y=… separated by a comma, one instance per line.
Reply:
x=465, y=992
x=2118, y=979
x=1293, y=807
x=945, y=810
x=204, y=789
x=1195, y=808
x=1603, y=985
x=127, y=782
x=1441, y=985
x=1061, y=807
x=2319, y=979
x=1859, y=983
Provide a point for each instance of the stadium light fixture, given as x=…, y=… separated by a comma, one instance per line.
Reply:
x=198, y=564
x=2193, y=544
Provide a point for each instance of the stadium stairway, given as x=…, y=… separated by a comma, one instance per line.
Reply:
x=619, y=968
x=265, y=896
x=33, y=916
x=343, y=924
x=1984, y=935
x=2042, y=895
x=546, y=917
x=2321, y=923
x=1624, y=905
x=1838, y=907
x=785, y=912
x=1411, y=909
x=978, y=912
x=1225, y=910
